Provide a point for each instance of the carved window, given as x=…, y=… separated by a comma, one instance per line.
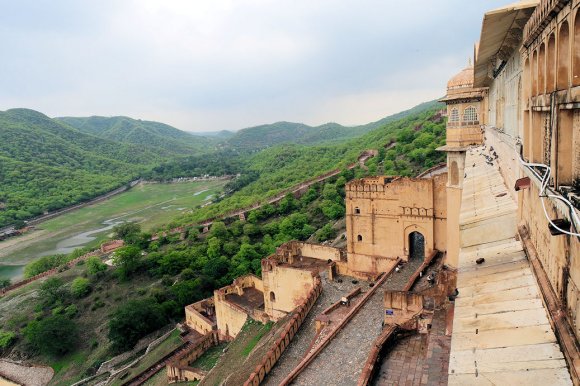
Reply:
x=470, y=115
x=359, y=238
x=454, y=116
x=357, y=210
x=272, y=296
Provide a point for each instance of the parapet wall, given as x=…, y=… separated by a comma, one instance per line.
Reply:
x=198, y=322
x=289, y=331
x=178, y=369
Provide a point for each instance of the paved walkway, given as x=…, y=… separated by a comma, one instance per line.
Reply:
x=419, y=359
x=332, y=291
x=501, y=332
x=341, y=362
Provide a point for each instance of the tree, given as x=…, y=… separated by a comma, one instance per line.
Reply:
x=5, y=283
x=214, y=248
x=132, y=321
x=332, y=210
x=287, y=204
x=52, y=290
x=219, y=230
x=325, y=233
x=129, y=232
x=55, y=335
x=95, y=266
x=127, y=260
x=80, y=287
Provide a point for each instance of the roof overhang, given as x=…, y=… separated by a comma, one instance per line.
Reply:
x=501, y=34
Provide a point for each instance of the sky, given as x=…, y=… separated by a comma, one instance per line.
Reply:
x=208, y=65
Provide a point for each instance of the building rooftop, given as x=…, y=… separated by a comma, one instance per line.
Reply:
x=463, y=79
x=252, y=299
x=501, y=331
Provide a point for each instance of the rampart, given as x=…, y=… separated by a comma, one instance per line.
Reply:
x=289, y=331
x=234, y=303
x=178, y=368
x=201, y=316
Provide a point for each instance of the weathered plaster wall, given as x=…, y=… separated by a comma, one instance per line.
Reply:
x=198, y=322
x=381, y=213
x=285, y=287
x=320, y=252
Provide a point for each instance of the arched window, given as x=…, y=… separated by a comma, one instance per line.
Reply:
x=272, y=296
x=470, y=115
x=359, y=238
x=454, y=116
x=563, y=57
x=542, y=69
x=551, y=64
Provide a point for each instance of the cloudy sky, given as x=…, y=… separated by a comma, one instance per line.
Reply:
x=205, y=65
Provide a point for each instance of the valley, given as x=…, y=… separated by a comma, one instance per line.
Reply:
x=150, y=205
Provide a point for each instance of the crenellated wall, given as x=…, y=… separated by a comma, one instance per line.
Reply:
x=382, y=212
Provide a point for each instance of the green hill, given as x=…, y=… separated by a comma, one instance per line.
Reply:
x=142, y=133
x=406, y=146
x=263, y=136
x=46, y=164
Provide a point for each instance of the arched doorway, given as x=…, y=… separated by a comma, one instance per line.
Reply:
x=416, y=246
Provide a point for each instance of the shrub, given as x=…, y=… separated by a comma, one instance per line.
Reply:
x=6, y=338
x=80, y=287
x=95, y=266
x=55, y=335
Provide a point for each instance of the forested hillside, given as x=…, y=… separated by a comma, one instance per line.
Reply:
x=406, y=147
x=288, y=132
x=46, y=165
x=143, y=133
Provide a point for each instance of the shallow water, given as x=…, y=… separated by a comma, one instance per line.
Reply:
x=11, y=271
x=77, y=241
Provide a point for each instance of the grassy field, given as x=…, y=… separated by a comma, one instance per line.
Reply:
x=151, y=205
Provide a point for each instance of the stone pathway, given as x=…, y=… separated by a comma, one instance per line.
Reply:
x=332, y=291
x=418, y=359
x=341, y=362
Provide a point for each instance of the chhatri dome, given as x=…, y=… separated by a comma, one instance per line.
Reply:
x=463, y=79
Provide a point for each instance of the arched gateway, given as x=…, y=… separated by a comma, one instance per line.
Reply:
x=416, y=245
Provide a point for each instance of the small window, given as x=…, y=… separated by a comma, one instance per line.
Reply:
x=359, y=238
x=470, y=115
x=272, y=296
x=357, y=210
x=454, y=116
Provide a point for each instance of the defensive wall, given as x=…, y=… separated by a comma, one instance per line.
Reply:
x=280, y=344
x=201, y=316
x=383, y=215
x=236, y=302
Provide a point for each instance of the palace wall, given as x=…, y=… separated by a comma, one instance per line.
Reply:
x=381, y=213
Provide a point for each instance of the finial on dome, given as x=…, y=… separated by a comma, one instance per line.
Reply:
x=468, y=62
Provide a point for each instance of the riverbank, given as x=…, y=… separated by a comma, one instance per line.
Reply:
x=150, y=205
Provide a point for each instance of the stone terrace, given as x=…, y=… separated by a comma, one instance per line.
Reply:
x=501, y=332
x=332, y=291
x=341, y=362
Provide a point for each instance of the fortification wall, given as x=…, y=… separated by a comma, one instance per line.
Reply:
x=382, y=212
x=289, y=331
x=198, y=322
x=285, y=287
